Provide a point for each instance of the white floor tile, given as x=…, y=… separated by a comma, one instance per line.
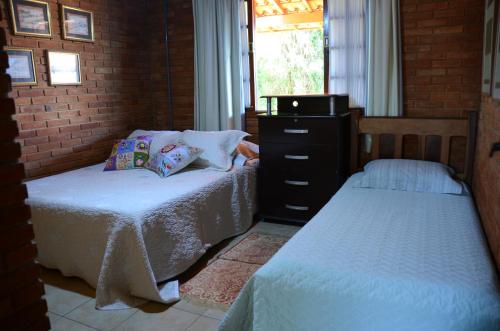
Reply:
x=204, y=324
x=64, y=324
x=61, y=302
x=100, y=319
x=170, y=320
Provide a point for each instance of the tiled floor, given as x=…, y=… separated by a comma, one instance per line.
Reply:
x=71, y=303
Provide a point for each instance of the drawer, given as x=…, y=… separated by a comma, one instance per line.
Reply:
x=298, y=130
x=289, y=183
x=294, y=198
x=299, y=158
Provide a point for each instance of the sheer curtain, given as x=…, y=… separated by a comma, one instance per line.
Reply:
x=384, y=59
x=348, y=49
x=219, y=92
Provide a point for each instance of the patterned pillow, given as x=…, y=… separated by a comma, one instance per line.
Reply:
x=172, y=158
x=129, y=153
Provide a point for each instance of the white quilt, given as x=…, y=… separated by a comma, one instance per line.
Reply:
x=125, y=231
x=377, y=260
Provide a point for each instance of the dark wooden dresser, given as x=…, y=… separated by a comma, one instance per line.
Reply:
x=304, y=160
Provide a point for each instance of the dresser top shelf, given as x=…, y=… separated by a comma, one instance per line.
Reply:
x=302, y=95
x=264, y=115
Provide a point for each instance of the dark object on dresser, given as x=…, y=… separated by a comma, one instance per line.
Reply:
x=304, y=160
x=310, y=105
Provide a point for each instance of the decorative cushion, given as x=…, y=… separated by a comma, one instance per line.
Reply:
x=409, y=175
x=218, y=147
x=172, y=158
x=129, y=153
x=160, y=138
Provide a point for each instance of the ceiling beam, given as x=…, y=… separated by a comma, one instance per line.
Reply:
x=307, y=5
x=276, y=5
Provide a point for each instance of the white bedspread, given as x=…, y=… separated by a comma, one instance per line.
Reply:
x=125, y=231
x=377, y=260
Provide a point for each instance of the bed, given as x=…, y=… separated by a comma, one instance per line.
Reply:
x=124, y=232
x=376, y=259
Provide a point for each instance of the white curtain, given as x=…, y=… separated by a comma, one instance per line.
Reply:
x=219, y=94
x=348, y=49
x=384, y=59
x=245, y=53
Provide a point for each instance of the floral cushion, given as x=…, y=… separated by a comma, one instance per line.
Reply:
x=129, y=153
x=172, y=158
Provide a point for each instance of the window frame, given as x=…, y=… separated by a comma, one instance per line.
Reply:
x=251, y=57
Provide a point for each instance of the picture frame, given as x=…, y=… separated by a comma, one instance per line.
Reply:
x=31, y=18
x=21, y=69
x=77, y=24
x=64, y=68
x=488, y=46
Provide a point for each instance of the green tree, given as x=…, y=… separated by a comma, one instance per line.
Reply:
x=289, y=62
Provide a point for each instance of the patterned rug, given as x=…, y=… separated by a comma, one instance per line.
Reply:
x=218, y=284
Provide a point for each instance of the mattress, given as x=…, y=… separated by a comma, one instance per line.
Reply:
x=377, y=260
x=124, y=232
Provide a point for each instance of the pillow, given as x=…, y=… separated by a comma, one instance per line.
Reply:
x=129, y=153
x=218, y=147
x=409, y=175
x=172, y=158
x=160, y=138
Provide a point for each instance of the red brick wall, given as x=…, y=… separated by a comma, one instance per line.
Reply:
x=442, y=52
x=21, y=303
x=66, y=127
x=486, y=184
x=181, y=45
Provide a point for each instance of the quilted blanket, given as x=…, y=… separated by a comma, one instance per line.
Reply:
x=377, y=260
x=124, y=232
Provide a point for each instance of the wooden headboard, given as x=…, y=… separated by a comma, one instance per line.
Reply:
x=384, y=137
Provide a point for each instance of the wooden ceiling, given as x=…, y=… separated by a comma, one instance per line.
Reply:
x=283, y=7
x=284, y=15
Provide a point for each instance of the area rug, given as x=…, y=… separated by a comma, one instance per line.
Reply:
x=219, y=283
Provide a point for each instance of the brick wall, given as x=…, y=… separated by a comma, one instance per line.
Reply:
x=442, y=52
x=21, y=303
x=181, y=45
x=66, y=127
x=486, y=184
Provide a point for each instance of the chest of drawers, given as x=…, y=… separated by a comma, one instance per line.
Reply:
x=304, y=160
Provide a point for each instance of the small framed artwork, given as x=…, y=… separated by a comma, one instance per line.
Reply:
x=77, y=24
x=64, y=68
x=30, y=18
x=488, y=44
x=21, y=66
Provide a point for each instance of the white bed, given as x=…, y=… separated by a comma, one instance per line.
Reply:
x=125, y=231
x=377, y=260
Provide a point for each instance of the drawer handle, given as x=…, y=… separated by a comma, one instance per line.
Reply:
x=297, y=182
x=296, y=131
x=297, y=157
x=301, y=208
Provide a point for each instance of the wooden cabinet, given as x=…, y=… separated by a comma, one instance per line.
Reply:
x=304, y=160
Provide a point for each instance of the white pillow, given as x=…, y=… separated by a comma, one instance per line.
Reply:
x=160, y=138
x=217, y=146
x=409, y=175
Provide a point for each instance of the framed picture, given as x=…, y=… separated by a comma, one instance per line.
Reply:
x=21, y=66
x=489, y=22
x=64, y=68
x=77, y=24
x=30, y=18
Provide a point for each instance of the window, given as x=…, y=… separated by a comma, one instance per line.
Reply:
x=284, y=49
